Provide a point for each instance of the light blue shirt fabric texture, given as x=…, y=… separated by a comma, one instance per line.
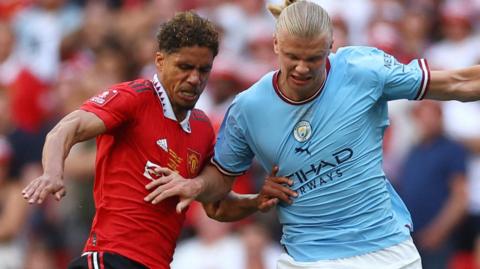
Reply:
x=331, y=147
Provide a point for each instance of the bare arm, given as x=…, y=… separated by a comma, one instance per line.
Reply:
x=73, y=128
x=14, y=212
x=215, y=185
x=461, y=84
x=449, y=216
x=209, y=186
x=234, y=207
x=213, y=190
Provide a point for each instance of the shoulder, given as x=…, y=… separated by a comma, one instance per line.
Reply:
x=454, y=146
x=361, y=61
x=257, y=93
x=199, y=118
x=129, y=91
x=135, y=87
x=135, y=90
x=359, y=56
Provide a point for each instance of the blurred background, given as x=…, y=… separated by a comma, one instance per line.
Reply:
x=55, y=54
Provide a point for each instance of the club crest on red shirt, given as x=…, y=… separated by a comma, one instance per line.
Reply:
x=104, y=97
x=193, y=162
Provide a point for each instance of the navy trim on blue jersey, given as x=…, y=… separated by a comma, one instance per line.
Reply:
x=292, y=102
x=425, y=83
x=225, y=171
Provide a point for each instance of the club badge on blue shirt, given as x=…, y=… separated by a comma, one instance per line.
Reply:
x=302, y=131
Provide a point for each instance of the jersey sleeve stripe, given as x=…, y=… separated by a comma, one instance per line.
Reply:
x=425, y=79
x=225, y=171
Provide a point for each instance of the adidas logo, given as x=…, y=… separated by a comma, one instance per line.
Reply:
x=163, y=144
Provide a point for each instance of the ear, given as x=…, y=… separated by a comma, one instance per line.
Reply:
x=276, y=49
x=159, y=60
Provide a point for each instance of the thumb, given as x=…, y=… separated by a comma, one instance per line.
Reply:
x=267, y=205
x=184, y=203
x=274, y=171
x=60, y=194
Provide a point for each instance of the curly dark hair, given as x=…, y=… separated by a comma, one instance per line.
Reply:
x=187, y=29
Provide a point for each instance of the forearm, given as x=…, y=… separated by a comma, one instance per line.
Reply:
x=213, y=185
x=76, y=127
x=57, y=146
x=453, y=211
x=233, y=207
x=14, y=213
x=462, y=84
x=448, y=218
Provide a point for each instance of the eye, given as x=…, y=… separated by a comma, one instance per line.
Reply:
x=292, y=57
x=205, y=69
x=185, y=67
x=314, y=59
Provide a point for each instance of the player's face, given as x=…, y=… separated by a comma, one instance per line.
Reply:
x=302, y=62
x=184, y=75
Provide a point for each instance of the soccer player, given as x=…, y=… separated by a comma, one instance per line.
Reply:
x=140, y=125
x=322, y=121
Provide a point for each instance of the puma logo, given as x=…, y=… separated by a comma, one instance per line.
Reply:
x=302, y=150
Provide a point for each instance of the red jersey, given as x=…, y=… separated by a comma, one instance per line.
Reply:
x=142, y=132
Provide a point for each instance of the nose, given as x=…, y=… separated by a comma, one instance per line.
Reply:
x=302, y=67
x=194, y=77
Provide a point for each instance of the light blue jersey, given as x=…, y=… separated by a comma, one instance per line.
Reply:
x=331, y=147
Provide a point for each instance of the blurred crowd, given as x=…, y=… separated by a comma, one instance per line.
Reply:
x=55, y=54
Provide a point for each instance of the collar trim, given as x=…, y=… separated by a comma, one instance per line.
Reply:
x=282, y=96
x=167, y=106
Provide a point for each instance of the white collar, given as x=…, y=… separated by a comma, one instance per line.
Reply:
x=167, y=106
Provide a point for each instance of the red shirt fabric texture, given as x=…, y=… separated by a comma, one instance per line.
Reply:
x=139, y=137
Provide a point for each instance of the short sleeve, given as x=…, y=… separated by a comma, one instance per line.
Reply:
x=233, y=155
x=404, y=81
x=113, y=106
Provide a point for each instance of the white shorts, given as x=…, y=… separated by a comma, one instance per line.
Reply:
x=400, y=256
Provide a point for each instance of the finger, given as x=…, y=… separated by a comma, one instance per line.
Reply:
x=159, y=191
x=155, y=193
x=33, y=198
x=43, y=194
x=183, y=204
x=30, y=189
x=276, y=193
x=267, y=205
x=269, y=186
x=60, y=194
x=163, y=171
x=158, y=182
x=274, y=171
x=164, y=195
x=281, y=180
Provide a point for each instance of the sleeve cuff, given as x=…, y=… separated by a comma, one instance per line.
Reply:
x=225, y=171
x=424, y=84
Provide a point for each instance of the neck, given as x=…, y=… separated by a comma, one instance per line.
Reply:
x=180, y=113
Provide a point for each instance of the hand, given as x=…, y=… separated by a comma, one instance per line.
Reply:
x=274, y=190
x=430, y=238
x=172, y=184
x=37, y=190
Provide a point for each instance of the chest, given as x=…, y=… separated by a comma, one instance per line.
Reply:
x=324, y=132
x=159, y=141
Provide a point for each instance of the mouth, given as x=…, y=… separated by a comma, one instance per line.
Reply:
x=188, y=95
x=300, y=80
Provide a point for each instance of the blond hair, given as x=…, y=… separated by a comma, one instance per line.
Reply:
x=301, y=18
